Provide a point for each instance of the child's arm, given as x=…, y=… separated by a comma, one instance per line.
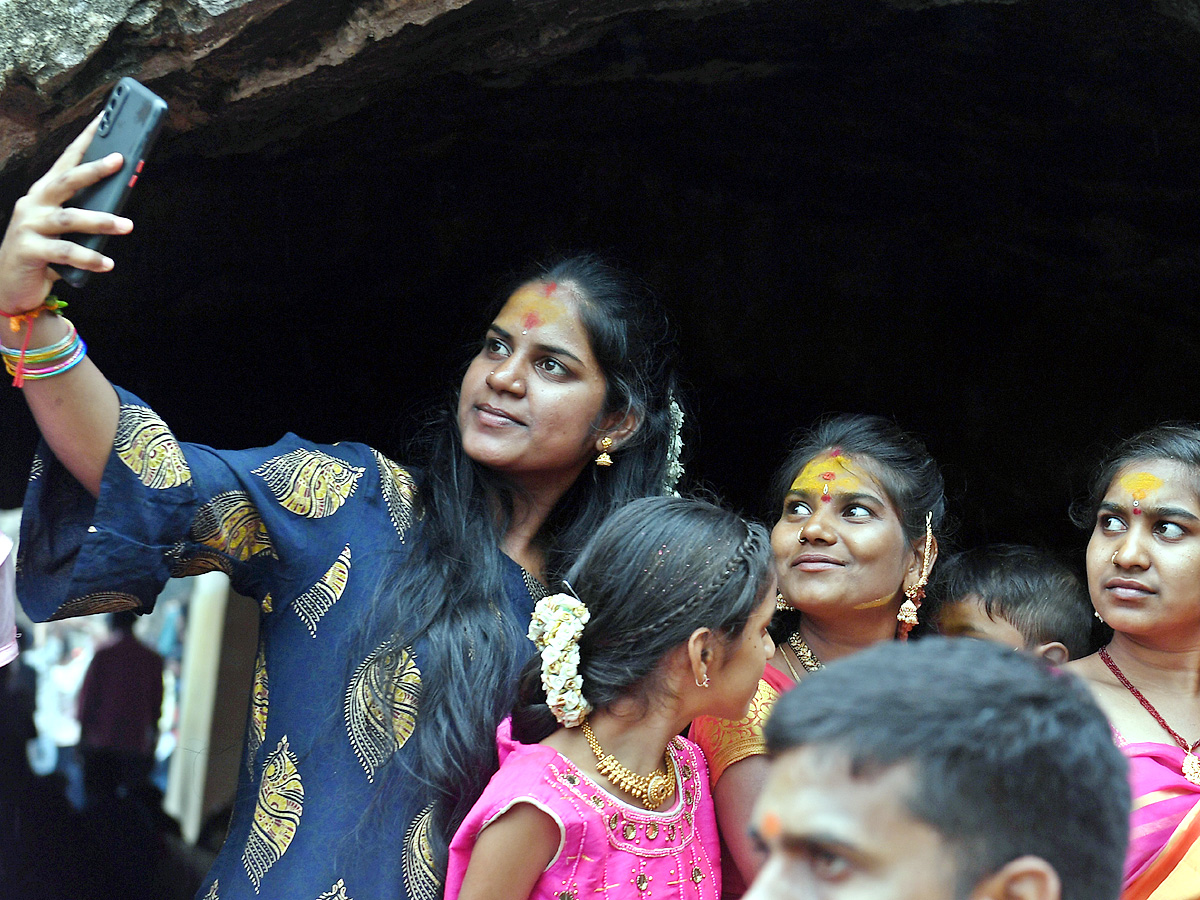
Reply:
x=510, y=855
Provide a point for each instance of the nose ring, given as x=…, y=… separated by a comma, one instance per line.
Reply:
x=1114, y=557
x=800, y=536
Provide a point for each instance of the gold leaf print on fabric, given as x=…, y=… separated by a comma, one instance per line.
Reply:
x=258, y=707
x=230, y=523
x=100, y=602
x=212, y=891
x=316, y=601
x=183, y=560
x=337, y=892
x=388, y=675
x=420, y=877
x=145, y=444
x=276, y=814
x=398, y=489
x=310, y=483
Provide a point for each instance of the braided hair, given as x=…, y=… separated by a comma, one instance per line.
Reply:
x=654, y=572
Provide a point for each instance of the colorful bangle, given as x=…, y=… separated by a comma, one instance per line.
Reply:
x=69, y=362
x=44, y=354
x=44, y=362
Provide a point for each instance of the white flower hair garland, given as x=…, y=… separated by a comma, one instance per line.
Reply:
x=556, y=627
x=675, y=451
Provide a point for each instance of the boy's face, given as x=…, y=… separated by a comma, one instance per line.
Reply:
x=968, y=618
x=833, y=836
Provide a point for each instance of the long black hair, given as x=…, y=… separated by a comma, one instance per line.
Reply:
x=654, y=572
x=899, y=460
x=448, y=594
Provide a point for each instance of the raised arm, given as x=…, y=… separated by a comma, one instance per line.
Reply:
x=77, y=410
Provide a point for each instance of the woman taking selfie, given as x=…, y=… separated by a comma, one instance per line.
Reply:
x=394, y=601
x=859, y=502
x=1143, y=572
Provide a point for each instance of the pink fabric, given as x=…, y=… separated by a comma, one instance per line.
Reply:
x=777, y=679
x=1162, y=797
x=608, y=846
x=8, y=603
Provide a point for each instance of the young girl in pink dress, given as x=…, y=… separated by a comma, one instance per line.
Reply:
x=665, y=618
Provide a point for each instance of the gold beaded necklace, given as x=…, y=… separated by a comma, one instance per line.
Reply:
x=804, y=653
x=651, y=790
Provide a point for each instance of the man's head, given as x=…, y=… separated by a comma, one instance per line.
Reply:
x=1016, y=595
x=941, y=770
x=122, y=621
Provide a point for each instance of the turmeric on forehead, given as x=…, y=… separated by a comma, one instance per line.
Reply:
x=1139, y=485
x=828, y=473
x=533, y=305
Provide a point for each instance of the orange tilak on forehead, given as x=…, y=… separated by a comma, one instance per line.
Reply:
x=831, y=469
x=534, y=305
x=1138, y=485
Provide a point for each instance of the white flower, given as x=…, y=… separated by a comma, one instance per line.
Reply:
x=675, y=450
x=556, y=627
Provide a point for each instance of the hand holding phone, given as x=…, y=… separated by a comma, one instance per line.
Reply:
x=129, y=123
x=33, y=237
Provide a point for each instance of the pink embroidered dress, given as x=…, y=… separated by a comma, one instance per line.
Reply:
x=608, y=848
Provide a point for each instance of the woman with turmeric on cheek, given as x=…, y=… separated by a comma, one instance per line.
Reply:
x=857, y=506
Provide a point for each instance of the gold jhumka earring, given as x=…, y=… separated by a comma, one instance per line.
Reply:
x=604, y=459
x=914, y=594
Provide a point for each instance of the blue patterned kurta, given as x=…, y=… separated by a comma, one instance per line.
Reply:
x=309, y=531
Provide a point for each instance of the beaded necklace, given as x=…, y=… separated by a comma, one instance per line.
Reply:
x=1191, y=765
x=651, y=790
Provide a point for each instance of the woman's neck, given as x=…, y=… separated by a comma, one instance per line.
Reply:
x=1147, y=665
x=832, y=639
x=521, y=542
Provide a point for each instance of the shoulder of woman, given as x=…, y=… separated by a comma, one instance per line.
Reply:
x=1090, y=669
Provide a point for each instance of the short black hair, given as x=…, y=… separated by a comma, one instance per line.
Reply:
x=122, y=620
x=1010, y=757
x=1027, y=587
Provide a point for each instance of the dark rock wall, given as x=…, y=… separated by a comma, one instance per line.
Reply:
x=978, y=218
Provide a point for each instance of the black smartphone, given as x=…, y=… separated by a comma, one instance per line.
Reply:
x=132, y=117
